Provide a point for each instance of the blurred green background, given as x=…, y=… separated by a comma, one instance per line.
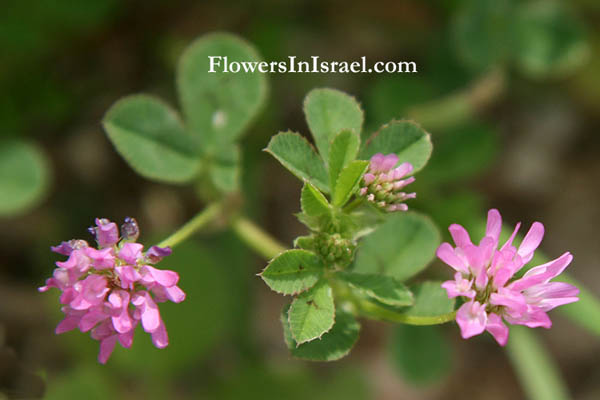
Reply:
x=510, y=91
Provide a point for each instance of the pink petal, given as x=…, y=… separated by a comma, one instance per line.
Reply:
x=402, y=170
x=551, y=294
x=104, y=330
x=513, y=300
x=103, y=259
x=494, y=225
x=531, y=241
x=446, y=253
x=131, y=253
x=474, y=257
x=126, y=339
x=90, y=319
x=460, y=235
x=388, y=162
x=534, y=318
x=471, y=318
x=175, y=294
x=497, y=328
x=106, y=348
x=67, y=324
x=106, y=232
x=149, y=311
x=511, y=238
x=542, y=273
x=160, y=337
x=376, y=162
x=163, y=276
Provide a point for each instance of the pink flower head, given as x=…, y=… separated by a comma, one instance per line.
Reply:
x=485, y=278
x=110, y=290
x=382, y=184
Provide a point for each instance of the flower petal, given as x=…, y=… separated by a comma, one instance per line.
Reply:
x=446, y=253
x=106, y=348
x=459, y=235
x=471, y=318
x=531, y=241
x=494, y=225
x=542, y=273
x=497, y=328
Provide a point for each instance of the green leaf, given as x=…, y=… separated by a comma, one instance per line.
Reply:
x=421, y=354
x=299, y=157
x=379, y=287
x=431, y=302
x=482, y=32
x=404, y=138
x=328, y=112
x=225, y=170
x=218, y=106
x=313, y=202
x=343, y=150
x=150, y=136
x=312, y=313
x=332, y=346
x=461, y=153
x=401, y=247
x=293, y=271
x=24, y=176
x=305, y=242
x=538, y=373
x=348, y=181
x=549, y=39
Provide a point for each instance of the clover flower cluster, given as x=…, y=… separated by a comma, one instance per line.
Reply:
x=485, y=278
x=110, y=289
x=382, y=184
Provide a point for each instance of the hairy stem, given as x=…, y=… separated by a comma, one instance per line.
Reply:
x=256, y=238
x=210, y=213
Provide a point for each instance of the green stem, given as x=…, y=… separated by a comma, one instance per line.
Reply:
x=256, y=238
x=374, y=311
x=200, y=220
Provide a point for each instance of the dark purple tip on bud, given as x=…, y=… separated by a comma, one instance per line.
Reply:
x=130, y=230
x=155, y=254
x=64, y=248
x=92, y=231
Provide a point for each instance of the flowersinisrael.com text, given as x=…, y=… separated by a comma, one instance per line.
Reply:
x=315, y=65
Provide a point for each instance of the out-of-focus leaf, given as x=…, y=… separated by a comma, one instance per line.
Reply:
x=482, y=32
x=342, y=151
x=420, y=354
x=549, y=39
x=225, y=170
x=151, y=138
x=460, y=154
x=536, y=370
x=401, y=247
x=332, y=346
x=431, y=301
x=404, y=138
x=217, y=105
x=380, y=287
x=313, y=202
x=312, y=313
x=24, y=176
x=328, y=112
x=293, y=271
x=586, y=311
x=300, y=158
x=348, y=181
